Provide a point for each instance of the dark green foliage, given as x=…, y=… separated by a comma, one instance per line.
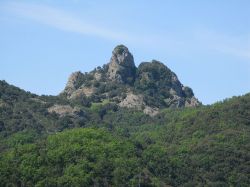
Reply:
x=153, y=76
x=84, y=79
x=119, y=49
x=10, y=94
x=204, y=146
x=188, y=92
x=22, y=111
x=156, y=82
x=82, y=100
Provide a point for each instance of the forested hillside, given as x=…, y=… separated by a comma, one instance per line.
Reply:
x=54, y=141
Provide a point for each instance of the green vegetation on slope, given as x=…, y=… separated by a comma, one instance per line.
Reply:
x=204, y=146
x=79, y=157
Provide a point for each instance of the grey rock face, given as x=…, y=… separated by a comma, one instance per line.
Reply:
x=176, y=84
x=137, y=102
x=133, y=101
x=121, y=67
x=73, y=83
x=65, y=110
x=192, y=102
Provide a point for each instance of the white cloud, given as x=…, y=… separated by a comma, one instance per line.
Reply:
x=65, y=21
x=61, y=20
x=201, y=40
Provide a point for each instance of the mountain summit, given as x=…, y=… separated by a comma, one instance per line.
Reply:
x=149, y=87
x=95, y=134
x=121, y=67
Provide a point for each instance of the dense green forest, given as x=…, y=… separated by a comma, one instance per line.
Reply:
x=102, y=144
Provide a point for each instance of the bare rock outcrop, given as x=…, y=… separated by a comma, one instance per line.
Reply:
x=137, y=102
x=121, y=67
x=132, y=101
x=73, y=83
x=65, y=110
x=83, y=91
x=192, y=102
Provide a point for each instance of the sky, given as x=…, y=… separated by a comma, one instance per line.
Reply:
x=206, y=43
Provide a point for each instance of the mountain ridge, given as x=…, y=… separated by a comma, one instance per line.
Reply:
x=149, y=87
x=106, y=145
x=91, y=137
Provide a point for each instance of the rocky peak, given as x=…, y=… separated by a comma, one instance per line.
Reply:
x=121, y=67
x=122, y=56
x=157, y=80
x=150, y=87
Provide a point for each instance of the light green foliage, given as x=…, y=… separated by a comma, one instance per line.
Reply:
x=79, y=157
x=96, y=106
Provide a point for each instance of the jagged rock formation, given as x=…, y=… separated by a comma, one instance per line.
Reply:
x=149, y=87
x=121, y=67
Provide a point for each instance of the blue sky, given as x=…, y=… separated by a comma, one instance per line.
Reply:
x=206, y=43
